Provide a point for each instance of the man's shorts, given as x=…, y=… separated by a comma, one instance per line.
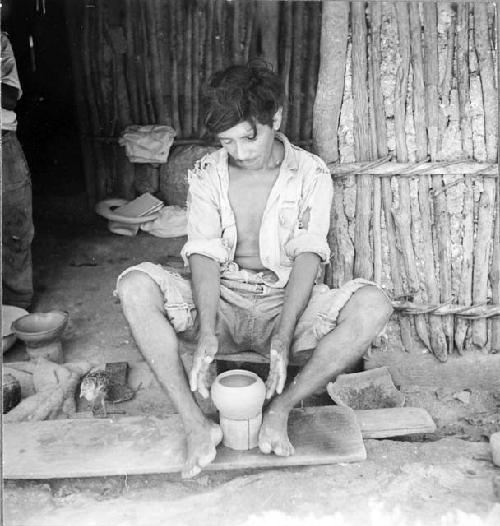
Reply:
x=249, y=312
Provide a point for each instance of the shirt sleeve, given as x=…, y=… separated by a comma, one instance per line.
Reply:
x=204, y=220
x=314, y=215
x=9, y=69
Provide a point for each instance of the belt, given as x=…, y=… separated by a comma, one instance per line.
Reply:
x=254, y=288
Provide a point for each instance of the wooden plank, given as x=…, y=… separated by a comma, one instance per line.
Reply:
x=473, y=370
x=146, y=444
x=394, y=422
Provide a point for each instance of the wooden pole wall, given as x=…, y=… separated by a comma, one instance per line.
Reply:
x=145, y=62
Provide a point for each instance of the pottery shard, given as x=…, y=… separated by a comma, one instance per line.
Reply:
x=495, y=448
x=371, y=389
x=174, y=179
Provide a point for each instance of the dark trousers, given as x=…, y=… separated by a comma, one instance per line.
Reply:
x=17, y=224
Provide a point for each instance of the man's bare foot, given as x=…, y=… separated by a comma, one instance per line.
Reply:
x=201, y=444
x=273, y=435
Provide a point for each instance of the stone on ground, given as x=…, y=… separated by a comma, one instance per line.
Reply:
x=373, y=389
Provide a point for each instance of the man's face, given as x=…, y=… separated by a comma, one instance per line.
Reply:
x=248, y=148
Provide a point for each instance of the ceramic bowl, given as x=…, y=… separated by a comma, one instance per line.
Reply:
x=238, y=394
x=40, y=326
x=9, y=315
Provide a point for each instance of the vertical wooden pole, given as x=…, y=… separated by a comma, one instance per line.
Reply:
x=312, y=61
x=441, y=219
x=188, y=77
x=402, y=214
x=488, y=195
x=363, y=265
x=437, y=338
x=297, y=76
x=287, y=61
x=378, y=133
x=130, y=68
x=174, y=65
x=326, y=113
x=268, y=24
x=462, y=73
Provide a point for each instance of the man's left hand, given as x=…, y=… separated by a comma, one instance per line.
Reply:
x=277, y=372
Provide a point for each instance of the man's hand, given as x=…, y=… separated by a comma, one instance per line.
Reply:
x=277, y=371
x=203, y=357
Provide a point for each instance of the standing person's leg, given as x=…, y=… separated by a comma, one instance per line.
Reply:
x=360, y=321
x=143, y=306
x=17, y=225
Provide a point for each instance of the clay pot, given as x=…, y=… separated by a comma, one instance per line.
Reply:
x=238, y=394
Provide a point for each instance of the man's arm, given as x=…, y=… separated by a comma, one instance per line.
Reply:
x=297, y=294
x=205, y=279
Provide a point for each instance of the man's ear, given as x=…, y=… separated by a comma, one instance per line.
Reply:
x=277, y=119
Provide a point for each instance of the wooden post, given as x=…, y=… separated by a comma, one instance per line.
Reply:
x=431, y=79
x=268, y=17
x=130, y=71
x=402, y=215
x=173, y=63
x=311, y=58
x=331, y=76
x=297, y=95
x=378, y=132
x=488, y=195
x=363, y=265
x=436, y=335
x=462, y=54
x=329, y=93
x=287, y=61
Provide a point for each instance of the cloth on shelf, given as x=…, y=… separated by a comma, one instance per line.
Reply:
x=147, y=144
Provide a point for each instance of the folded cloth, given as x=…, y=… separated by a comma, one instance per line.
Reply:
x=147, y=144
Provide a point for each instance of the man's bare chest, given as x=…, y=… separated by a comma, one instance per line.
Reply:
x=248, y=197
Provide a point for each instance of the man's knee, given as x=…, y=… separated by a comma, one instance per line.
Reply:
x=368, y=304
x=137, y=288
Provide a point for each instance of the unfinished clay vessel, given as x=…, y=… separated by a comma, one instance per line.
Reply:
x=41, y=332
x=239, y=395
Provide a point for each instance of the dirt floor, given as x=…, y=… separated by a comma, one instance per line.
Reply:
x=444, y=479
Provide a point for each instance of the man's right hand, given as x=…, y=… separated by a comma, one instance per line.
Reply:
x=203, y=357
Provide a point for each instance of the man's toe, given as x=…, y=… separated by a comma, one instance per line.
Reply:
x=265, y=445
x=190, y=471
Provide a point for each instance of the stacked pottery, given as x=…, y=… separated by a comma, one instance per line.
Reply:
x=239, y=395
x=41, y=332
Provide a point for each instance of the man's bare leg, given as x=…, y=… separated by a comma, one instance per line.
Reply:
x=359, y=323
x=142, y=303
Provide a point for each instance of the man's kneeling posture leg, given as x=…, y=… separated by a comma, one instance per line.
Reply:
x=143, y=307
x=358, y=324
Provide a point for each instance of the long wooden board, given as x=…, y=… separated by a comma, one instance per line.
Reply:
x=394, y=422
x=144, y=445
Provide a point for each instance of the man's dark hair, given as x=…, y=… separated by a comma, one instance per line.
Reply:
x=248, y=93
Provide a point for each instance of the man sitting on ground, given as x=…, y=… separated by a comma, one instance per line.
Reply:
x=258, y=217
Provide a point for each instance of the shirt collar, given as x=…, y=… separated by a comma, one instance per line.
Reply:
x=290, y=158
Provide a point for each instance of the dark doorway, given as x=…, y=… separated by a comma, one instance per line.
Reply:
x=47, y=124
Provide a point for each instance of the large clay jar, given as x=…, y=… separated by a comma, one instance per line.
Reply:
x=174, y=177
x=239, y=395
